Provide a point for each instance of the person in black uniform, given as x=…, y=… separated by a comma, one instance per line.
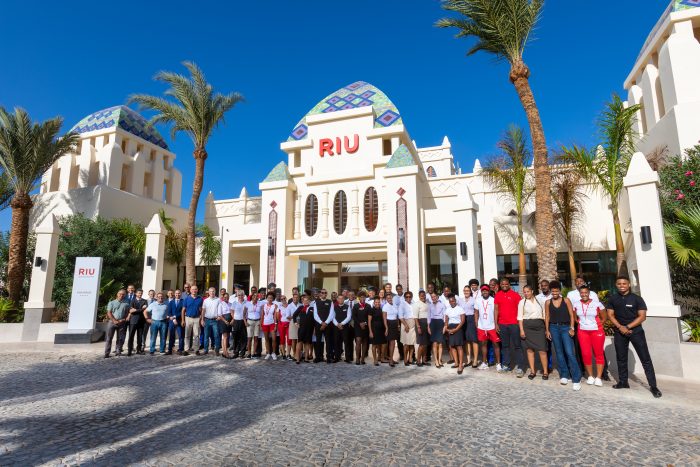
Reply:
x=360, y=315
x=136, y=319
x=323, y=315
x=628, y=311
x=377, y=331
x=343, y=330
x=304, y=317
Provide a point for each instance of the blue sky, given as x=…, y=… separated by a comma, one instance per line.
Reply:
x=74, y=58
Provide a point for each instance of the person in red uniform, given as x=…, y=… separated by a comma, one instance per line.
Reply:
x=507, y=300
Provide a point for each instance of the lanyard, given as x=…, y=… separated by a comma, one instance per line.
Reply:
x=584, y=308
x=485, y=307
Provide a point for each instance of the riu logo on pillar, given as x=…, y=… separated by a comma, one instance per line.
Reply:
x=86, y=271
x=335, y=147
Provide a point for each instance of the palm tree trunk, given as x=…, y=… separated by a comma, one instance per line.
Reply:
x=572, y=262
x=619, y=244
x=544, y=222
x=522, y=273
x=21, y=205
x=200, y=155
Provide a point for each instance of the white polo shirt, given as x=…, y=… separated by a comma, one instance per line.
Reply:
x=486, y=311
x=211, y=307
x=453, y=315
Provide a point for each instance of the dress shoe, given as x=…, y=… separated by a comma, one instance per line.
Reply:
x=621, y=386
x=655, y=392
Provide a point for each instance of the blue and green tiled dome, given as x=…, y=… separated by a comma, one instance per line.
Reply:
x=122, y=117
x=358, y=94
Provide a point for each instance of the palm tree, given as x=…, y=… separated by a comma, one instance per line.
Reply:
x=133, y=233
x=5, y=190
x=503, y=29
x=175, y=248
x=27, y=150
x=197, y=111
x=209, y=250
x=568, y=196
x=509, y=175
x=683, y=236
x=607, y=165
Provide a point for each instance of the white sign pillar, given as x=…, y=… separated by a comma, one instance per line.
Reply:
x=154, y=255
x=83, y=303
x=468, y=258
x=642, y=183
x=39, y=306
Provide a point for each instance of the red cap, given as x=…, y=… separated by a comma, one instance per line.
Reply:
x=485, y=287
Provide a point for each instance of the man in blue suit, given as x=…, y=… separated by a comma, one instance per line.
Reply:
x=176, y=323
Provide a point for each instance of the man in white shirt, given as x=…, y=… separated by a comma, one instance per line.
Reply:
x=544, y=294
x=444, y=298
x=575, y=296
x=239, y=307
x=210, y=312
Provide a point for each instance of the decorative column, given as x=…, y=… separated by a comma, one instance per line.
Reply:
x=466, y=237
x=488, y=243
x=355, y=212
x=324, y=213
x=39, y=306
x=652, y=270
x=297, y=215
x=154, y=255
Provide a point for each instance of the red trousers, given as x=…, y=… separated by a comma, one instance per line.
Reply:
x=594, y=340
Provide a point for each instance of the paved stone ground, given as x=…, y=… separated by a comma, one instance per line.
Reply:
x=61, y=408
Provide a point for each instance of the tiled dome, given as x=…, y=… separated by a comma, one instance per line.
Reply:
x=123, y=117
x=358, y=94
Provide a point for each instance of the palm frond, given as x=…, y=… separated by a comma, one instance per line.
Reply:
x=683, y=237
x=500, y=27
x=190, y=104
x=28, y=149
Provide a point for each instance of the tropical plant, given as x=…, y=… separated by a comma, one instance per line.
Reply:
x=607, y=165
x=510, y=176
x=568, y=196
x=683, y=236
x=9, y=312
x=81, y=236
x=197, y=111
x=27, y=150
x=679, y=182
x=209, y=250
x=175, y=248
x=503, y=28
x=133, y=234
x=690, y=325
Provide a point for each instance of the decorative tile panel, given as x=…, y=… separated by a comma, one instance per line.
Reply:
x=122, y=117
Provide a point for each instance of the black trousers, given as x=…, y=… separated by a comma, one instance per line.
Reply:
x=510, y=346
x=639, y=342
x=137, y=330
x=344, y=339
x=329, y=336
x=239, y=338
x=146, y=328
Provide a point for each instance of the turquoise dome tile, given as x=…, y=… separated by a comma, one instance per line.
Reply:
x=679, y=5
x=122, y=117
x=353, y=96
x=402, y=157
x=278, y=173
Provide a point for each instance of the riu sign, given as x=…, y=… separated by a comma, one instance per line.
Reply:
x=86, y=271
x=335, y=147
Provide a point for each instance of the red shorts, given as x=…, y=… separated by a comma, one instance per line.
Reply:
x=490, y=335
x=283, y=330
x=268, y=328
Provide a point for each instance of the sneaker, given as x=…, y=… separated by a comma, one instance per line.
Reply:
x=268, y=356
x=577, y=386
x=483, y=366
x=274, y=356
x=499, y=368
x=598, y=382
x=519, y=373
x=505, y=368
x=590, y=380
x=564, y=381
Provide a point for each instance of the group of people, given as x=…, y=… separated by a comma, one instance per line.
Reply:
x=489, y=323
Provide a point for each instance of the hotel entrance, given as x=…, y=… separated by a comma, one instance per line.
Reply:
x=333, y=276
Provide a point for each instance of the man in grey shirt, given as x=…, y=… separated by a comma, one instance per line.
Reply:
x=117, y=312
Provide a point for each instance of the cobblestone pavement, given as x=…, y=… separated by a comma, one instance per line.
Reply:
x=58, y=408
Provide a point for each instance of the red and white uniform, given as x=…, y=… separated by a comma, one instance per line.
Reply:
x=486, y=324
x=268, y=312
x=587, y=313
x=591, y=335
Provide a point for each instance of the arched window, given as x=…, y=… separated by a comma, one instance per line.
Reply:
x=311, y=215
x=371, y=209
x=340, y=212
x=431, y=172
